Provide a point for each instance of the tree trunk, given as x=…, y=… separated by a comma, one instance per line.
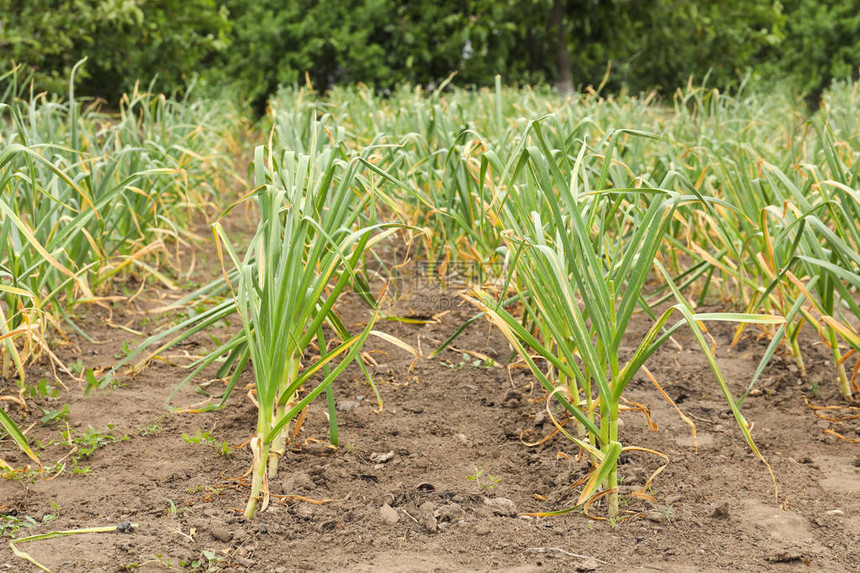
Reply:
x=564, y=77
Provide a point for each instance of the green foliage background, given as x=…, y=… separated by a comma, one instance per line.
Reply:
x=252, y=47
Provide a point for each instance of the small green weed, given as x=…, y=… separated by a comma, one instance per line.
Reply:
x=11, y=524
x=208, y=562
x=467, y=360
x=43, y=390
x=206, y=438
x=484, y=483
x=51, y=416
x=151, y=430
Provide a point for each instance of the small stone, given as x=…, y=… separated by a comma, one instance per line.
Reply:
x=501, y=506
x=347, y=405
x=381, y=458
x=388, y=514
x=220, y=532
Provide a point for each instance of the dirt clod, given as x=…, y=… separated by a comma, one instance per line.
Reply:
x=427, y=517
x=450, y=513
x=220, y=532
x=501, y=506
x=347, y=405
x=482, y=528
x=655, y=517
x=785, y=555
x=298, y=482
x=381, y=458
x=389, y=514
x=721, y=511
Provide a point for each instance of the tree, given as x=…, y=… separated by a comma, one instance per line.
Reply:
x=124, y=41
x=822, y=43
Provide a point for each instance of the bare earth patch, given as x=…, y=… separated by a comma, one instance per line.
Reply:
x=440, y=478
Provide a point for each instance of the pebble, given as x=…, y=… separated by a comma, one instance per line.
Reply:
x=388, y=514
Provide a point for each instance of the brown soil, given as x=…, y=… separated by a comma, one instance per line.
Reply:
x=444, y=422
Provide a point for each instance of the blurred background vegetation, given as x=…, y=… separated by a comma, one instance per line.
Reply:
x=251, y=48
